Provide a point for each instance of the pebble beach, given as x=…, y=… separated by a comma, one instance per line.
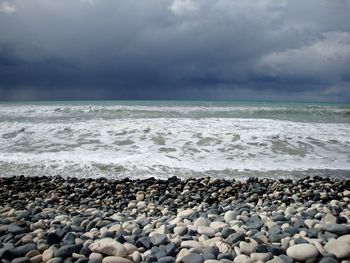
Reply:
x=55, y=219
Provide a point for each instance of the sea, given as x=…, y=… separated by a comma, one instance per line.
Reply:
x=161, y=139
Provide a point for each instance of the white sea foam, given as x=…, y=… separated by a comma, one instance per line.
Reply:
x=37, y=140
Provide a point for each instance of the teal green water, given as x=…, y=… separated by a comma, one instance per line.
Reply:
x=294, y=111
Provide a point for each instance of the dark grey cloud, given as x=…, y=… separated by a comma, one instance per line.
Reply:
x=175, y=49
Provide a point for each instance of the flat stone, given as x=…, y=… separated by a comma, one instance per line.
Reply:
x=328, y=260
x=193, y=258
x=67, y=251
x=36, y=259
x=235, y=237
x=166, y=259
x=286, y=259
x=229, y=256
x=336, y=229
x=337, y=247
x=56, y=260
x=345, y=238
x=243, y=259
x=302, y=252
x=115, y=259
x=185, y=214
x=158, y=239
x=275, y=260
x=108, y=246
x=191, y=244
x=32, y=253
x=204, y=230
x=260, y=256
x=15, y=230
x=18, y=252
x=21, y=260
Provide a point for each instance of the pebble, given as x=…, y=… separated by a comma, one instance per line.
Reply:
x=336, y=229
x=190, y=220
x=109, y=247
x=193, y=258
x=204, y=230
x=302, y=252
x=185, y=214
x=230, y=216
x=115, y=259
x=191, y=244
x=338, y=248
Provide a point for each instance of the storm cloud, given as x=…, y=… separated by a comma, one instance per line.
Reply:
x=175, y=49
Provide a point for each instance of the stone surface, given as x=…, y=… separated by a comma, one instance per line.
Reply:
x=67, y=251
x=158, y=239
x=193, y=258
x=337, y=229
x=185, y=214
x=109, y=247
x=337, y=247
x=302, y=252
x=116, y=259
x=191, y=244
x=204, y=230
x=230, y=216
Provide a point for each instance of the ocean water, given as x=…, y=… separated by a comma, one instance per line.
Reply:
x=139, y=139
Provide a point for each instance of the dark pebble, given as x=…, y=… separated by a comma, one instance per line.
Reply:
x=53, y=239
x=235, y=237
x=21, y=260
x=82, y=260
x=337, y=229
x=143, y=242
x=286, y=259
x=167, y=259
x=230, y=256
x=193, y=258
x=328, y=260
x=67, y=251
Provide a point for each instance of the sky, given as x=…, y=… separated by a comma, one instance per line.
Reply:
x=175, y=49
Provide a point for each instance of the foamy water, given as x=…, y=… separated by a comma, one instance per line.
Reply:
x=163, y=139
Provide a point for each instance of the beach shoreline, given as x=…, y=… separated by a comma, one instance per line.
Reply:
x=55, y=219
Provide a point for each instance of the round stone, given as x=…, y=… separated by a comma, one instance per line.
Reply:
x=302, y=252
x=193, y=258
x=339, y=248
x=200, y=221
x=115, y=259
x=108, y=246
x=204, y=230
x=230, y=216
x=185, y=214
x=191, y=244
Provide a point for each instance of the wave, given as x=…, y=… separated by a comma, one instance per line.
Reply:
x=172, y=146
x=57, y=112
